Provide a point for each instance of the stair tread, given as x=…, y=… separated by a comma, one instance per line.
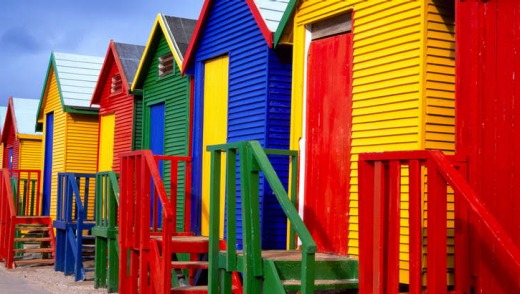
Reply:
x=186, y=239
x=33, y=239
x=322, y=282
x=296, y=255
x=34, y=250
x=33, y=228
x=34, y=261
x=190, y=264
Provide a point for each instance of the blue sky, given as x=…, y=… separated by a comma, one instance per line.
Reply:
x=31, y=29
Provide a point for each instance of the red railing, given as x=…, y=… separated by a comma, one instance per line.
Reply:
x=380, y=212
x=19, y=196
x=147, y=213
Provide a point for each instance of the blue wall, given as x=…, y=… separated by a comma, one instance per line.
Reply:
x=258, y=101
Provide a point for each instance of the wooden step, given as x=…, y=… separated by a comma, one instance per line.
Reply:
x=42, y=239
x=35, y=250
x=190, y=289
x=190, y=264
x=34, y=261
x=32, y=228
x=295, y=285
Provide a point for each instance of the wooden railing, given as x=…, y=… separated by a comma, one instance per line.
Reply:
x=380, y=197
x=107, y=250
x=252, y=160
x=146, y=212
x=73, y=216
x=19, y=197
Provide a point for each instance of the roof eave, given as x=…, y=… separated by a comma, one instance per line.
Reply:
x=284, y=21
x=195, y=37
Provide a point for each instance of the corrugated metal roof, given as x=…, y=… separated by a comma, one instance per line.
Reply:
x=272, y=12
x=25, y=113
x=3, y=110
x=129, y=55
x=77, y=76
x=180, y=30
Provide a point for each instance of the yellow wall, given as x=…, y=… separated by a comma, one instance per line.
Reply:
x=31, y=154
x=1, y=154
x=106, y=142
x=75, y=141
x=402, y=87
x=52, y=103
x=214, y=129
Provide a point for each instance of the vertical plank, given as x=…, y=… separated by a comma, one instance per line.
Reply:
x=415, y=211
x=379, y=229
x=367, y=273
x=437, y=236
x=214, y=223
x=394, y=225
x=462, y=248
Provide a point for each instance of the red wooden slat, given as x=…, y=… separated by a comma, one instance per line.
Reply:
x=394, y=226
x=379, y=229
x=366, y=238
x=415, y=223
x=436, y=246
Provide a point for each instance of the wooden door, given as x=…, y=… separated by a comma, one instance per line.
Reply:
x=328, y=137
x=106, y=142
x=47, y=164
x=156, y=131
x=214, y=126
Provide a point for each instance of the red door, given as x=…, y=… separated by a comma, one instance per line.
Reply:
x=328, y=137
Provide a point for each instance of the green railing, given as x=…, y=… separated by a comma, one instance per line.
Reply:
x=106, y=272
x=253, y=159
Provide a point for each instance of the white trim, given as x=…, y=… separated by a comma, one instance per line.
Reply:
x=301, y=143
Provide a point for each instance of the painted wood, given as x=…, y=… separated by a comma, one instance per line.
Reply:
x=31, y=153
x=156, y=145
x=47, y=163
x=215, y=129
x=402, y=83
x=106, y=142
x=488, y=128
x=328, y=142
x=258, y=100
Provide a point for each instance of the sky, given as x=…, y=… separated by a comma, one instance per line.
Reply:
x=31, y=29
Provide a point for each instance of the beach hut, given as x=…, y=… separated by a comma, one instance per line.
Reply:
x=68, y=123
x=242, y=92
x=3, y=110
x=163, y=114
x=367, y=76
x=116, y=114
x=116, y=103
x=21, y=143
x=488, y=134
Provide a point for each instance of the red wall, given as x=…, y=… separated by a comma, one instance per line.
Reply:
x=488, y=125
x=122, y=105
x=10, y=141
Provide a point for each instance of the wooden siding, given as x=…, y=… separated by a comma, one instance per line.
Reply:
x=174, y=91
x=52, y=103
x=488, y=128
x=81, y=147
x=31, y=154
x=399, y=54
x=137, y=135
x=121, y=104
x=11, y=142
x=230, y=29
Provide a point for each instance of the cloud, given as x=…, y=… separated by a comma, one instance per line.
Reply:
x=20, y=40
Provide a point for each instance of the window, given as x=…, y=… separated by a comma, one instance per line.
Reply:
x=165, y=64
x=117, y=84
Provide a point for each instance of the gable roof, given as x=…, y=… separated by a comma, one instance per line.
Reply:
x=25, y=114
x=21, y=112
x=267, y=13
x=126, y=57
x=177, y=31
x=76, y=76
x=284, y=21
x=3, y=111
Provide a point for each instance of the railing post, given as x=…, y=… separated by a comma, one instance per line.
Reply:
x=214, y=224
x=415, y=223
x=437, y=235
x=250, y=212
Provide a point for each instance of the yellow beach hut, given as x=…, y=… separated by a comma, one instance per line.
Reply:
x=368, y=76
x=68, y=122
x=21, y=143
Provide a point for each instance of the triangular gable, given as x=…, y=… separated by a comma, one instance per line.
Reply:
x=76, y=76
x=285, y=22
x=177, y=32
x=21, y=117
x=267, y=14
x=10, y=121
x=126, y=58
